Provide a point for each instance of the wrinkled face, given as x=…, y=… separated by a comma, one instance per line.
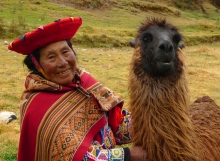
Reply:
x=58, y=62
x=159, y=50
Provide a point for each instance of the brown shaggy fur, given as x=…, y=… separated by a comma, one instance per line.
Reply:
x=205, y=115
x=162, y=118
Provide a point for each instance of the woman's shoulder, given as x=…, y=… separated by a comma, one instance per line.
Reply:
x=85, y=78
x=80, y=71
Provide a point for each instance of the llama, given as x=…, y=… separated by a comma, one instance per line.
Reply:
x=164, y=123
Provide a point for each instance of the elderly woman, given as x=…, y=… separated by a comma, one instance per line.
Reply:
x=66, y=114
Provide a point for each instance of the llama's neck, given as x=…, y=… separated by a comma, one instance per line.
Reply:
x=160, y=118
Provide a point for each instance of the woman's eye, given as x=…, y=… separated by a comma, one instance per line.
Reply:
x=50, y=57
x=65, y=51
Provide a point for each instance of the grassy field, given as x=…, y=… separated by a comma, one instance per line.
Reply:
x=101, y=46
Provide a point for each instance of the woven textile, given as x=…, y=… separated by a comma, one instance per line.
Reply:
x=59, y=122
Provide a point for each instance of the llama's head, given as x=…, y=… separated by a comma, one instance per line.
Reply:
x=158, y=43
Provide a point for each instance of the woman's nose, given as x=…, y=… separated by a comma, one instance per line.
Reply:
x=62, y=61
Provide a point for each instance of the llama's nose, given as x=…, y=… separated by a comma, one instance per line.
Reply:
x=165, y=46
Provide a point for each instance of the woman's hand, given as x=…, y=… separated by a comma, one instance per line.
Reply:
x=138, y=154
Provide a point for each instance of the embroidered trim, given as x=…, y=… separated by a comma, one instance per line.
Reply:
x=97, y=153
x=106, y=98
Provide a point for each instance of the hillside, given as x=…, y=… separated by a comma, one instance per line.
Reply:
x=111, y=22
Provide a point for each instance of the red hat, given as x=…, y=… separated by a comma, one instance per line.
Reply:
x=56, y=31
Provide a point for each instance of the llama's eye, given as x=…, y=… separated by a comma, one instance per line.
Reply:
x=177, y=38
x=147, y=38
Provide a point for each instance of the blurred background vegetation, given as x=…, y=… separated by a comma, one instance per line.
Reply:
x=109, y=23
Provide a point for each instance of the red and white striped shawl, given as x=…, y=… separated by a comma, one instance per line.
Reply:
x=59, y=122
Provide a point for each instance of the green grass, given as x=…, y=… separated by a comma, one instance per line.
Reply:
x=10, y=153
x=102, y=41
x=118, y=19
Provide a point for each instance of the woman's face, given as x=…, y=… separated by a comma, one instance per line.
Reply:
x=58, y=62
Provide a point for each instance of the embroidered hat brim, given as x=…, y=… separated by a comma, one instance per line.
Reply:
x=58, y=30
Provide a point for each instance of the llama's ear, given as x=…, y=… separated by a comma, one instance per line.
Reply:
x=181, y=45
x=132, y=43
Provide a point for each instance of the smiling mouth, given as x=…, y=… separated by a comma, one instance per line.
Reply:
x=61, y=73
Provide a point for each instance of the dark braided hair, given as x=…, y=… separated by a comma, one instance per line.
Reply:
x=30, y=65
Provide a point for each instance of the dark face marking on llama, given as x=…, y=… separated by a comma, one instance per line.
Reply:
x=158, y=42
